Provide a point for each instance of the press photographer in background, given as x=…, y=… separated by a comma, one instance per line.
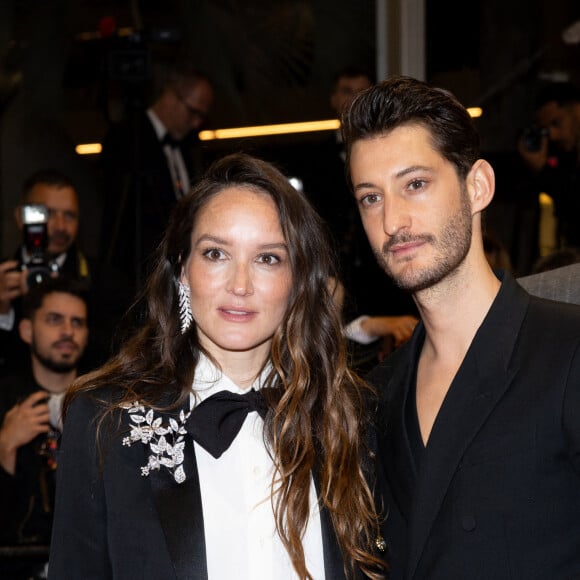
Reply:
x=54, y=328
x=47, y=248
x=550, y=150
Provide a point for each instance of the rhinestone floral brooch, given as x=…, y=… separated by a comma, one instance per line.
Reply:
x=166, y=441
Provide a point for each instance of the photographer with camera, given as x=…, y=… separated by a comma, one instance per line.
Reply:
x=55, y=330
x=48, y=215
x=550, y=150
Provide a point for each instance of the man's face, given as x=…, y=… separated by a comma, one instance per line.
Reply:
x=414, y=209
x=563, y=124
x=57, y=332
x=191, y=109
x=346, y=89
x=63, y=215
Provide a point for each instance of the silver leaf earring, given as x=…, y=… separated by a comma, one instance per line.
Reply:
x=185, y=314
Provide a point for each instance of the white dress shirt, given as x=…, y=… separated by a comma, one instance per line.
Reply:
x=240, y=530
x=175, y=162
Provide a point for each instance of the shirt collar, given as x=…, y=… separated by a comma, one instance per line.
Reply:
x=158, y=126
x=210, y=380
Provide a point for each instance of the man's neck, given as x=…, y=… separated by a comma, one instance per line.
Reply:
x=454, y=310
x=50, y=380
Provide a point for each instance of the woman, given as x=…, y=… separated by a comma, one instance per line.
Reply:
x=237, y=303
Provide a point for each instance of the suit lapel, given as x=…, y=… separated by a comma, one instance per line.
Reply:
x=395, y=448
x=181, y=515
x=480, y=383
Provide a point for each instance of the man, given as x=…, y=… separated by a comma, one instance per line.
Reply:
x=370, y=299
x=478, y=417
x=148, y=163
x=56, y=191
x=324, y=181
x=54, y=327
x=551, y=153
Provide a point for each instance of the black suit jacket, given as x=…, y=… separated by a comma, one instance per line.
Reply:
x=27, y=497
x=116, y=523
x=138, y=195
x=497, y=491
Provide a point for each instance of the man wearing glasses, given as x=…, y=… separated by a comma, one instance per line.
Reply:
x=148, y=163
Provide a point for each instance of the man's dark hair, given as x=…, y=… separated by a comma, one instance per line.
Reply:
x=52, y=177
x=33, y=299
x=563, y=93
x=183, y=74
x=402, y=100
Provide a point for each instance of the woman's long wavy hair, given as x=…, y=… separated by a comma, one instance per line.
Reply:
x=317, y=423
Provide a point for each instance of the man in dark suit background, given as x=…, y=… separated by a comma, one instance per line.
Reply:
x=478, y=420
x=147, y=164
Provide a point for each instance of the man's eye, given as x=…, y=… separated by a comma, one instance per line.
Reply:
x=416, y=184
x=53, y=319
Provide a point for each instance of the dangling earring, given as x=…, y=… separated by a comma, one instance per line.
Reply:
x=185, y=314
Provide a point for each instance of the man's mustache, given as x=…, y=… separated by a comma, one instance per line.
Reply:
x=66, y=342
x=405, y=239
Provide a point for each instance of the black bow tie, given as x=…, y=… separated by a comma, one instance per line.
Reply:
x=169, y=140
x=215, y=422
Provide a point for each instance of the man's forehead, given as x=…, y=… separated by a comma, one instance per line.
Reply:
x=64, y=303
x=53, y=195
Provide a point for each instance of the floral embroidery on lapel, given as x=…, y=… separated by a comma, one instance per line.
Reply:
x=166, y=442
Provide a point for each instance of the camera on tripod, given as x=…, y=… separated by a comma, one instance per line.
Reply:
x=34, y=221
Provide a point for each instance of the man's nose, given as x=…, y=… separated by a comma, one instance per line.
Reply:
x=395, y=215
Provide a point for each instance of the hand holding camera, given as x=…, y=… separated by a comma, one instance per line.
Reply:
x=35, y=228
x=533, y=147
x=12, y=284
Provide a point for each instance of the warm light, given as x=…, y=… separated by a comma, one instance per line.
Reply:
x=88, y=148
x=261, y=130
x=475, y=112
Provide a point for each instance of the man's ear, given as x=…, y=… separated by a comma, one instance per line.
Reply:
x=25, y=330
x=480, y=185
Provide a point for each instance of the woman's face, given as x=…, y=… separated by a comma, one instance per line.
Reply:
x=238, y=272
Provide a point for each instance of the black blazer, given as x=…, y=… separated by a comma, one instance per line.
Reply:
x=116, y=523
x=138, y=194
x=497, y=491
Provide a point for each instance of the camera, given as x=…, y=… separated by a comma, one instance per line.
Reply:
x=34, y=221
x=533, y=137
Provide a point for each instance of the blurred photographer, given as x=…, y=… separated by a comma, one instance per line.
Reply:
x=550, y=149
x=48, y=248
x=54, y=328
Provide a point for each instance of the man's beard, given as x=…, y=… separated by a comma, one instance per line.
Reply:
x=56, y=366
x=454, y=243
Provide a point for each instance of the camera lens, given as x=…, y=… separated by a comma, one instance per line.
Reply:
x=533, y=137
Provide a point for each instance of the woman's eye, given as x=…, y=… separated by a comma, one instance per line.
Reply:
x=213, y=254
x=269, y=259
x=369, y=199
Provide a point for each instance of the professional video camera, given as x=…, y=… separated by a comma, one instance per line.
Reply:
x=39, y=267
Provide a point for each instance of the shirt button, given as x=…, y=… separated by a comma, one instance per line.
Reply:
x=468, y=523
